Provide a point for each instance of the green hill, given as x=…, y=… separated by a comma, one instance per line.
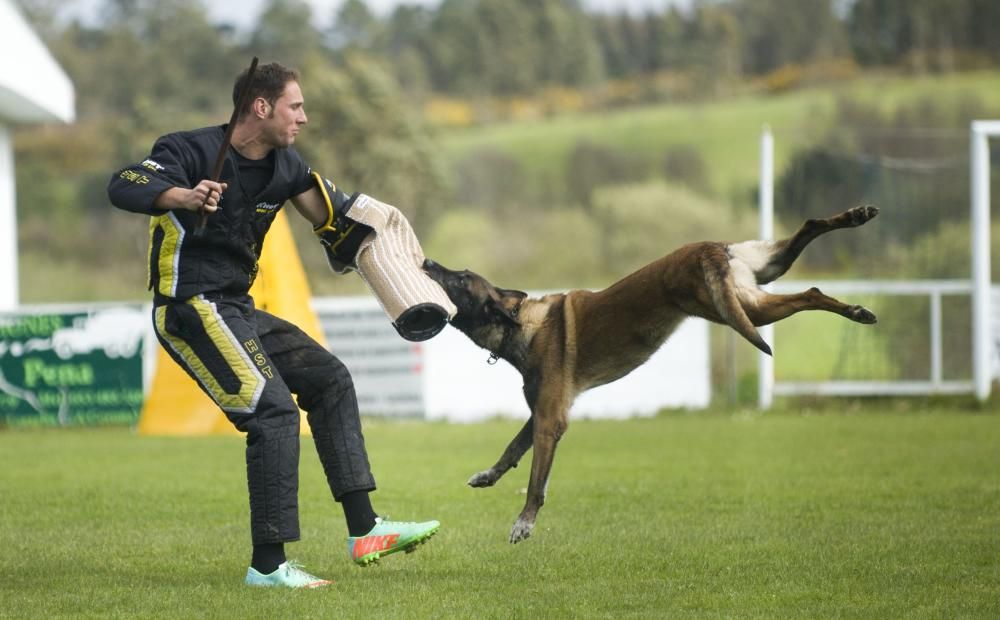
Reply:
x=726, y=132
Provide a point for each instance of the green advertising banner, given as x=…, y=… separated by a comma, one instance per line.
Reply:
x=72, y=368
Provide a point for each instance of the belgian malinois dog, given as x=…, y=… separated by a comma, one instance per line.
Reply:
x=566, y=343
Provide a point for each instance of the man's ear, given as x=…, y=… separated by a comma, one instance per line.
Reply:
x=260, y=107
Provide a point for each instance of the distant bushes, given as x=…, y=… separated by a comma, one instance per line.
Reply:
x=646, y=221
x=591, y=166
x=791, y=76
x=909, y=163
x=443, y=110
x=537, y=249
x=489, y=179
x=684, y=164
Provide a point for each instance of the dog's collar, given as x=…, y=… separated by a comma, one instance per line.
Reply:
x=494, y=356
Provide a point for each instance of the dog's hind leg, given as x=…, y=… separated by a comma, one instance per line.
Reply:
x=722, y=290
x=766, y=308
x=510, y=457
x=771, y=259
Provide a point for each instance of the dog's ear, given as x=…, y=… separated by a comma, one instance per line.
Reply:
x=505, y=313
x=518, y=296
x=506, y=307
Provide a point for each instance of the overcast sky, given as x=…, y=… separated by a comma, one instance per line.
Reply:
x=244, y=13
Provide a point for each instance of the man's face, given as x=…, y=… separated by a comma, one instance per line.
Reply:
x=286, y=117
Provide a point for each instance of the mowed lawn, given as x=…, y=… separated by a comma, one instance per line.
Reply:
x=865, y=512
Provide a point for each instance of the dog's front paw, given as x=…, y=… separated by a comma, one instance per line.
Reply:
x=521, y=530
x=863, y=315
x=860, y=215
x=483, y=479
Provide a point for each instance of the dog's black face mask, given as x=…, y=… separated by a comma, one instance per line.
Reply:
x=479, y=303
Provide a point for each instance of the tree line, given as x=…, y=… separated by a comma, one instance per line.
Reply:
x=515, y=47
x=504, y=47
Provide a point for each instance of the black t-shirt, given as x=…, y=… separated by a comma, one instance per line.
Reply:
x=254, y=174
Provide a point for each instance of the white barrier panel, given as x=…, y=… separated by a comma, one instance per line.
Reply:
x=387, y=370
x=995, y=332
x=448, y=378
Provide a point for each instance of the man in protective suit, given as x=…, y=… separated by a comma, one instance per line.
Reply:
x=205, y=240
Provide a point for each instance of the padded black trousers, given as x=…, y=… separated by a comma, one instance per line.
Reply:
x=251, y=362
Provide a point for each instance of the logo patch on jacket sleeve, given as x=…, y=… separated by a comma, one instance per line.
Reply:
x=267, y=207
x=152, y=165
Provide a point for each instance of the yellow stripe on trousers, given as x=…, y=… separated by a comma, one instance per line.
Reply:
x=251, y=381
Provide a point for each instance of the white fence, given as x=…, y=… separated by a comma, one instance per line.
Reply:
x=935, y=383
x=448, y=377
x=980, y=133
x=978, y=286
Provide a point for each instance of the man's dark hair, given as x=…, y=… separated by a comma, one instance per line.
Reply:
x=268, y=82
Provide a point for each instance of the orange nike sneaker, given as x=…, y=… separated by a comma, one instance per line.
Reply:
x=388, y=537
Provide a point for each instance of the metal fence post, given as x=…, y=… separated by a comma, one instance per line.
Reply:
x=765, y=363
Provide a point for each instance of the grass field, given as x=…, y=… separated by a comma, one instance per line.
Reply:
x=874, y=512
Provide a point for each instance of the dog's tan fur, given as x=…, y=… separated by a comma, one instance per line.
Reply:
x=564, y=344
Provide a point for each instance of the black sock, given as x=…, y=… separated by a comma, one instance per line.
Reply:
x=359, y=512
x=268, y=557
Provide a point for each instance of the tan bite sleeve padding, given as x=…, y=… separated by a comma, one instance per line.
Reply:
x=391, y=260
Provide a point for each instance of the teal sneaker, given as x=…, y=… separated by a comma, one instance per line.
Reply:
x=389, y=537
x=289, y=575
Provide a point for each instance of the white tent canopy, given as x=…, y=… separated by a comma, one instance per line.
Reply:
x=33, y=88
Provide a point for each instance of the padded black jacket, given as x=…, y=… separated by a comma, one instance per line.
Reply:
x=224, y=258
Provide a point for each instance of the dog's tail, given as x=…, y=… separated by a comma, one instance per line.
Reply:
x=723, y=292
